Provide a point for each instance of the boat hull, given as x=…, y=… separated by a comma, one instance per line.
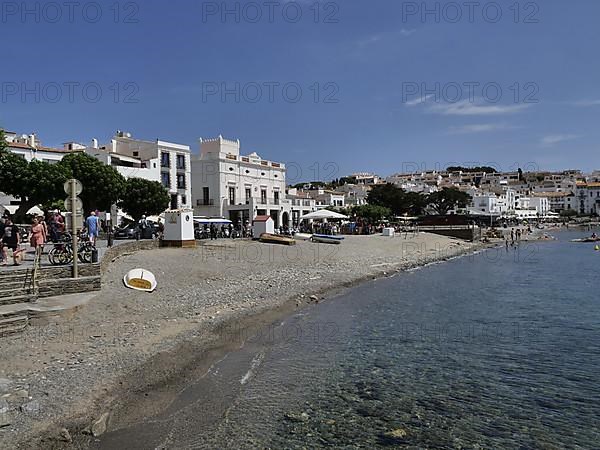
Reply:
x=276, y=239
x=302, y=236
x=325, y=239
x=140, y=280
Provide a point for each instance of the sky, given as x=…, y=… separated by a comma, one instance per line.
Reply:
x=330, y=88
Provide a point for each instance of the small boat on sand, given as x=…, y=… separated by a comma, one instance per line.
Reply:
x=140, y=280
x=302, y=236
x=276, y=239
x=327, y=239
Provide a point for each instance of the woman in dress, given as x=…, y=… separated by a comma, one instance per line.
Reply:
x=38, y=236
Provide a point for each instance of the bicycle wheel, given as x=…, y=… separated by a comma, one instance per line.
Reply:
x=85, y=253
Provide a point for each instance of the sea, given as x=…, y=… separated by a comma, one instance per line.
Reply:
x=500, y=349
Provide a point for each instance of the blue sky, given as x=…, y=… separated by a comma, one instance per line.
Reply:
x=368, y=74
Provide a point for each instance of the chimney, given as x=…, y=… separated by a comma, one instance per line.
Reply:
x=32, y=142
x=113, y=146
x=94, y=143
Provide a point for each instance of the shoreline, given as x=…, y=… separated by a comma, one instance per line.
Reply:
x=191, y=350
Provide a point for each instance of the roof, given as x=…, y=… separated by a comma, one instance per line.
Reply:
x=40, y=148
x=552, y=194
x=262, y=218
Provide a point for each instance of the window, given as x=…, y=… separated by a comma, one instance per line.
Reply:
x=181, y=162
x=205, y=195
x=165, y=160
x=263, y=196
x=136, y=154
x=180, y=181
x=183, y=199
x=248, y=195
x=276, y=197
x=165, y=179
x=174, y=201
x=232, y=196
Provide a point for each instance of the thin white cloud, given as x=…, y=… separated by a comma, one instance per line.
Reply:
x=405, y=32
x=418, y=101
x=585, y=103
x=479, y=128
x=469, y=108
x=554, y=139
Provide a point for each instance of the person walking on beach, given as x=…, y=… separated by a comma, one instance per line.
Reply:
x=512, y=236
x=38, y=236
x=10, y=240
x=93, y=226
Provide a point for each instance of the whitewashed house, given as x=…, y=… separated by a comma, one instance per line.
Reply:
x=231, y=185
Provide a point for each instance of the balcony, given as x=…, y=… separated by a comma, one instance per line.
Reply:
x=205, y=202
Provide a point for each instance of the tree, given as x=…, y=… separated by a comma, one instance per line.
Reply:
x=397, y=200
x=447, y=199
x=102, y=185
x=36, y=183
x=485, y=169
x=371, y=213
x=143, y=197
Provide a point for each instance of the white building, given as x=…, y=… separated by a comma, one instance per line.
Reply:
x=227, y=184
x=301, y=204
x=162, y=161
x=588, y=198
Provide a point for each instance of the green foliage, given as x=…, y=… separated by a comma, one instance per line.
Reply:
x=34, y=183
x=102, y=184
x=568, y=213
x=398, y=201
x=371, y=213
x=485, y=169
x=143, y=197
x=447, y=199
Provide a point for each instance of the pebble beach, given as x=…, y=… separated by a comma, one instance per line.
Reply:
x=65, y=380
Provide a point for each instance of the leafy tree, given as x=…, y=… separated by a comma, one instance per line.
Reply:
x=143, y=197
x=568, y=213
x=397, y=200
x=485, y=169
x=36, y=183
x=102, y=184
x=371, y=213
x=447, y=199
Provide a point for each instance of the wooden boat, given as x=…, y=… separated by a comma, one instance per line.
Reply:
x=326, y=239
x=276, y=239
x=302, y=236
x=140, y=280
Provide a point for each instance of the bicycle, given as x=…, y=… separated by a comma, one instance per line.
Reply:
x=62, y=253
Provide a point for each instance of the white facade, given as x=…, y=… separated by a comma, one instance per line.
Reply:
x=588, y=198
x=228, y=184
x=162, y=161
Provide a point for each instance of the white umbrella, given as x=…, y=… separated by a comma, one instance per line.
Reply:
x=323, y=214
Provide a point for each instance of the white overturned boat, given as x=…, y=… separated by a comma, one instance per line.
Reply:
x=140, y=280
x=302, y=236
x=326, y=239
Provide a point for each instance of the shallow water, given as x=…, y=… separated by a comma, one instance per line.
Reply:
x=496, y=350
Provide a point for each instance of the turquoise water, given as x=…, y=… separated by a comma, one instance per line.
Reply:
x=496, y=350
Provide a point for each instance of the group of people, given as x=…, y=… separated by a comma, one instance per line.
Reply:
x=41, y=231
x=11, y=238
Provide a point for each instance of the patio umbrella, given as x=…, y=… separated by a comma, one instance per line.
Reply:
x=323, y=214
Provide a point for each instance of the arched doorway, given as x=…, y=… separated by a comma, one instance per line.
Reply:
x=285, y=220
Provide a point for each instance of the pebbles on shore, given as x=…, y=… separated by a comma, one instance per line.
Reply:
x=61, y=371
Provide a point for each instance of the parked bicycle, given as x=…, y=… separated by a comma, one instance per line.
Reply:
x=62, y=252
